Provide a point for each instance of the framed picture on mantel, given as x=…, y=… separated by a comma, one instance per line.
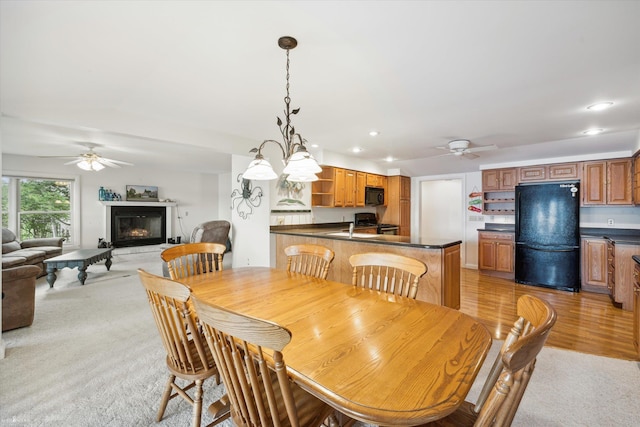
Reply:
x=142, y=193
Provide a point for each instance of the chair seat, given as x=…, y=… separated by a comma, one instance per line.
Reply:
x=197, y=370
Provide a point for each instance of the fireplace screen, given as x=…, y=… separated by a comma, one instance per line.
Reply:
x=137, y=225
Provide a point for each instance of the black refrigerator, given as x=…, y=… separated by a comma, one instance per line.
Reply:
x=548, y=235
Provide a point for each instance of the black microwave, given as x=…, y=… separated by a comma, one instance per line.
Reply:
x=373, y=196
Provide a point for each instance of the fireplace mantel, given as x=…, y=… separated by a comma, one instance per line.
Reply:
x=106, y=224
x=121, y=203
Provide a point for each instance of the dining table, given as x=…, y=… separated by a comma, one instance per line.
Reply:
x=375, y=357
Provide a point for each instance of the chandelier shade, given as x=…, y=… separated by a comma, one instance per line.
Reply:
x=259, y=170
x=300, y=166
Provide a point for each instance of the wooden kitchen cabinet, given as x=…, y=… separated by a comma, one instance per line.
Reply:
x=623, y=283
x=498, y=191
x=533, y=173
x=636, y=179
x=496, y=253
x=339, y=187
x=323, y=190
x=374, y=180
x=499, y=179
x=566, y=171
x=595, y=265
x=398, y=198
x=636, y=308
x=361, y=181
x=553, y=172
x=349, y=188
x=607, y=182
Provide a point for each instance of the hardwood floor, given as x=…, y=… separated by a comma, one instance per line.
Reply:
x=587, y=322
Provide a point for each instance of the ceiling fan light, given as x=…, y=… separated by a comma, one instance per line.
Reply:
x=259, y=170
x=594, y=131
x=97, y=166
x=600, y=106
x=85, y=165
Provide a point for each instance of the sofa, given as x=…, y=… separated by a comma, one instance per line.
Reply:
x=18, y=296
x=28, y=252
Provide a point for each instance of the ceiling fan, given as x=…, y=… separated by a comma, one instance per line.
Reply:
x=91, y=161
x=460, y=147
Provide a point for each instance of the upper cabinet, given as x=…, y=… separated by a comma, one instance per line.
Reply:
x=555, y=172
x=607, y=182
x=374, y=180
x=499, y=179
x=337, y=188
x=361, y=180
x=498, y=187
x=636, y=179
x=324, y=189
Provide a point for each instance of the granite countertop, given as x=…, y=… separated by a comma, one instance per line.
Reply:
x=340, y=231
x=502, y=228
x=618, y=235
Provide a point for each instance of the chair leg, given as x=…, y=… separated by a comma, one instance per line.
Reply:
x=197, y=404
x=165, y=397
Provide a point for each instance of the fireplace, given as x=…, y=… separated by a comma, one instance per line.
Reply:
x=138, y=225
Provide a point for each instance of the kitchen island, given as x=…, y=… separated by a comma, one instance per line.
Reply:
x=440, y=285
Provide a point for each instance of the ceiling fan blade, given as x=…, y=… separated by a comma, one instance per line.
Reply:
x=107, y=162
x=58, y=157
x=469, y=155
x=120, y=162
x=73, y=162
x=481, y=148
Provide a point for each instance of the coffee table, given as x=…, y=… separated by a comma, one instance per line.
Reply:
x=81, y=258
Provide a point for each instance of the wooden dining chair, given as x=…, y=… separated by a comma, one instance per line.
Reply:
x=385, y=272
x=188, y=356
x=248, y=352
x=308, y=259
x=509, y=376
x=191, y=259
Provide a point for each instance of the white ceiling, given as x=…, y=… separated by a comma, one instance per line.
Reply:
x=184, y=84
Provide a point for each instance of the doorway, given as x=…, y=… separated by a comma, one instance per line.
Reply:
x=442, y=210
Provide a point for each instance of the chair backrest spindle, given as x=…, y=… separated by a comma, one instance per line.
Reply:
x=386, y=272
x=309, y=259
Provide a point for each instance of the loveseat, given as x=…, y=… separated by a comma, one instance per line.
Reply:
x=28, y=252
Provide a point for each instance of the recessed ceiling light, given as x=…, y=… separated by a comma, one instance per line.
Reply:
x=374, y=133
x=356, y=149
x=314, y=145
x=600, y=106
x=389, y=159
x=593, y=131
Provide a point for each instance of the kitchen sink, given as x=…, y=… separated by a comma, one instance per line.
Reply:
x=357, y=235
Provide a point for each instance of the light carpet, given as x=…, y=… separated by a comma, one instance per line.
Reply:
x=93, y=357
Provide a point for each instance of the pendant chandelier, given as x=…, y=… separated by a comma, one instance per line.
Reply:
x=300, y=166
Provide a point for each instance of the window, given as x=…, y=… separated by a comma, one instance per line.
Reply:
x=35, y=207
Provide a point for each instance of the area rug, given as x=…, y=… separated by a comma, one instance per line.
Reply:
x=93, y=357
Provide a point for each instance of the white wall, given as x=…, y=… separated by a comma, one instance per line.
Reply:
x=251, y=236
x=196, y=193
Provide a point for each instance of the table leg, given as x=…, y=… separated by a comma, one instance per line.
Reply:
x=108, y=263
x=51, y=275
x=82, y=274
